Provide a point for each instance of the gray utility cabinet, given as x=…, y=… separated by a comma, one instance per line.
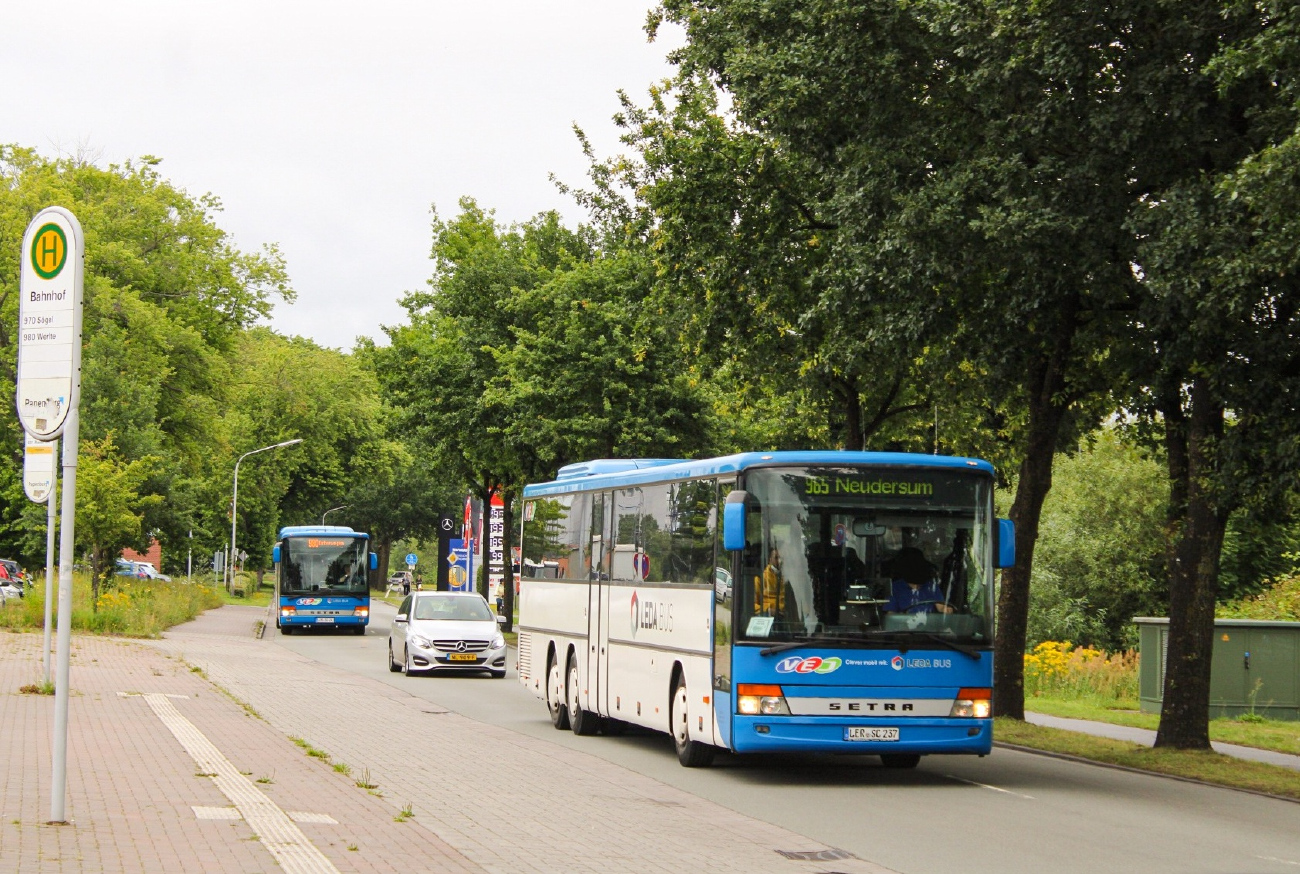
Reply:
x=1255, y=667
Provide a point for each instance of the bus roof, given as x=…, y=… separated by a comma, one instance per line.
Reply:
x=335, y=530
x=614, y=472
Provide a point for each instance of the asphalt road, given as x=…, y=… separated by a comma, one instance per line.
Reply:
x=1010, y=812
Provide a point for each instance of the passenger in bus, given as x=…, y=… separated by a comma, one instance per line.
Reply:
x=769, y=588
x=914, y=588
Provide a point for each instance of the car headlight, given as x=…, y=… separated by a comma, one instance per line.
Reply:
x=498, y=642
x=421, y=642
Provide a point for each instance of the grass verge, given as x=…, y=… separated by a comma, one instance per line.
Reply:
x=1208, y=767
x=1269, y=734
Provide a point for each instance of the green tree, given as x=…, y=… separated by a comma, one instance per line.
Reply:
x=1101, y=546
x=109, y=506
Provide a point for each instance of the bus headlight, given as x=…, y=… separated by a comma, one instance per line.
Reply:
x=753, y=699
x=287, y=611
x=363, y=612
x=973, y=703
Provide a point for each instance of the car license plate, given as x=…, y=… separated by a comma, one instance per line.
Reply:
x=870, y=732
x=324, y=618
x=462, y=657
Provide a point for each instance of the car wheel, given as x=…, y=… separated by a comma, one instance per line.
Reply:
x=393, y=666
x=581, y=721
x=555, y=696
x=900, y=760
x=407, y=667
x=284, y=629
x=690, y=753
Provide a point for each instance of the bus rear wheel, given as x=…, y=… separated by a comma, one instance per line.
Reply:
x=691, y=753
x=900, y=760
x=555, y=696
x=581, y=721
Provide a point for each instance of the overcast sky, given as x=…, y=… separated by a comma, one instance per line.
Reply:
x=331, y=128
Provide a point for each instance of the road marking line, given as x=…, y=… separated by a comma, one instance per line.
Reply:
x=290, y=847
x=987, y=786
x=231, y=813
x=1276, y=859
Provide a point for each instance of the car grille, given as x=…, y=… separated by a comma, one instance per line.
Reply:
x=454, y=645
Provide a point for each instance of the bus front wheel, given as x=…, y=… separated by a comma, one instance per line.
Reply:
x=690, y=753
x=284, y=629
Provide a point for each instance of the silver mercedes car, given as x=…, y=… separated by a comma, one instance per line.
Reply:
x=446, y=631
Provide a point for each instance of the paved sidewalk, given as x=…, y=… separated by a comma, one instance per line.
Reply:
x=167, y=773
x=1146, y=737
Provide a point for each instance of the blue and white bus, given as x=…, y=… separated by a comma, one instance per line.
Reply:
x=321, y=579
x=815, y=601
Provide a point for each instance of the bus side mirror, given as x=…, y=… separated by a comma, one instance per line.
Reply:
x=275, y=555
x=374, y=561
x=733, y=520
x=1004, y=546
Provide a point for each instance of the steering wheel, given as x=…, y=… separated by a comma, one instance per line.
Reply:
x=912, y=607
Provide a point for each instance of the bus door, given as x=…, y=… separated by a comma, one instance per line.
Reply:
x=597, y=611
x=726, y=568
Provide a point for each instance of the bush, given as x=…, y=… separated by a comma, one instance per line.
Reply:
x=131, y=607
x=1280, y=601
x=1056, y=669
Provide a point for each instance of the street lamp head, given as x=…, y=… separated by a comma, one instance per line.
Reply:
x=289, y=442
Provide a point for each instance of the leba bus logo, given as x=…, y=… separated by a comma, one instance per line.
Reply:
x=651, y=615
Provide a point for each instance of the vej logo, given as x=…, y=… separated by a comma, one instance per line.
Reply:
x=809, y=665
x=896, y=663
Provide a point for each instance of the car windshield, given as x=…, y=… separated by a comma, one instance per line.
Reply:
x=864, y=555
x=459, y=609
x=323, y=565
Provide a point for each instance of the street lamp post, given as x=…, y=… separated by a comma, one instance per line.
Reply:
x=331, y=510
x=234, y=504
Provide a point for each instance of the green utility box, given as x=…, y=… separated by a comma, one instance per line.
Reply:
x=1255, y=667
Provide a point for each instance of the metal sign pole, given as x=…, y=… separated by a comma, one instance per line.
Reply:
x=50, y=506
x=67, y=551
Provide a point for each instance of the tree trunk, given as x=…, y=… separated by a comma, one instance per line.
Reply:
x=379, y=577
x=1047, y=409
x=1193, y=582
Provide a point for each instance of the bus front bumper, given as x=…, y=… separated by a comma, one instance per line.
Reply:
x=911, y=735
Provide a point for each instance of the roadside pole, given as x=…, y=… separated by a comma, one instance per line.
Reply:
x=51, y=506
x=48, y=395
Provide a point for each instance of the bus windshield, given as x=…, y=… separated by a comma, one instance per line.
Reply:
x=323, y=565
x=866, y=555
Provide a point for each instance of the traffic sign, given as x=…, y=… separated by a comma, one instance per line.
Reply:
x=641, y=563
x=49, y=321
x=412, y=558
x=38, y=469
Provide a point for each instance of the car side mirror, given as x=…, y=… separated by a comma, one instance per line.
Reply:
x=501, y=620
x=400, y=617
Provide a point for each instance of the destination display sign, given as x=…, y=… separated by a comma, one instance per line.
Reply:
x=888, y=486
x=49, y=321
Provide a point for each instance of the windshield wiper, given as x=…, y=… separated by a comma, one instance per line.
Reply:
x=904, y=639
x=813, y=640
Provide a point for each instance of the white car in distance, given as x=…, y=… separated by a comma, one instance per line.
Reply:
x=446, y=631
